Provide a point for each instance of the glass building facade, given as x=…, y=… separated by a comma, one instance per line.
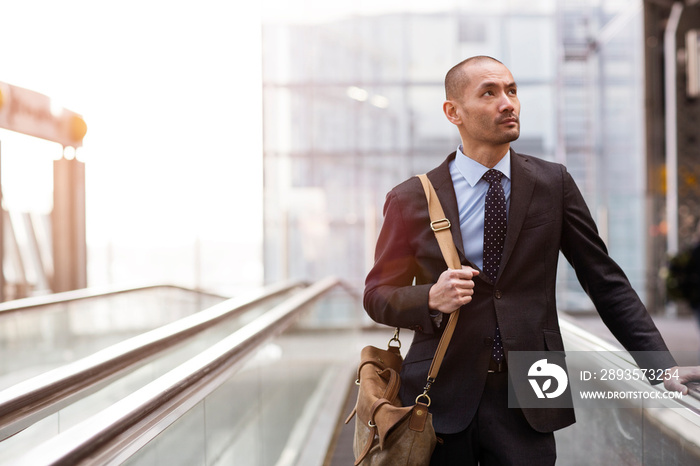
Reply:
x=353, y=106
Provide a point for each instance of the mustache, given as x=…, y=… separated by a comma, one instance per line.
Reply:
x=509, y=116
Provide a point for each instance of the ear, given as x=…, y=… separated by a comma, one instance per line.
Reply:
x=451, y=112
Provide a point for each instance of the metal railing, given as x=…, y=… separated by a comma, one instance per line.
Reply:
x=114, y=434
x=38, y=302
x=589, y=342
x=26, y=402
x=658, y=431
x=134, y=423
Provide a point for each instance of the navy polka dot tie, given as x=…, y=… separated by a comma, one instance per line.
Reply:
x=495, y=227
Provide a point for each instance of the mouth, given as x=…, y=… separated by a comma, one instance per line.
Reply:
x=509, y=120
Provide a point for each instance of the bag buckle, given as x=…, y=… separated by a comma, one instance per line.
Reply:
x=426, y=389
x=439, y=225
x=395, y=338
x=423, y=395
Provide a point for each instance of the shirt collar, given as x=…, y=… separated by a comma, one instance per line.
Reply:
x=472, y=171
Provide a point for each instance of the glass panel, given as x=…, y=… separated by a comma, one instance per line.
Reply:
x=263, y=413
x=578, y=107
x=632, y=435
x=130, y=381
x=56, y=334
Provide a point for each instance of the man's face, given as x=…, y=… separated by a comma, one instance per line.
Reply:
x=488, y=106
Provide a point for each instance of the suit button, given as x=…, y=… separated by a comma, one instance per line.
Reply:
x=497, y=294
x=488, y=341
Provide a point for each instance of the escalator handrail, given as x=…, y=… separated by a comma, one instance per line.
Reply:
x=38, y=302
x=678, y=418
x=616, y=351
x=30, y=400
x=115, y=433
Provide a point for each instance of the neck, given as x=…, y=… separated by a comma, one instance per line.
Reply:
x=486, y=156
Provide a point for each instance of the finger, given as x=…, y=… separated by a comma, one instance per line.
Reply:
x=684, y=374
x=465, y=273
x=452, y=274
x=461, y=286
x=473, y=271
x=693, y=374
x=464, y=285
x=679, y=387
x=467, y=293
x=675, y=386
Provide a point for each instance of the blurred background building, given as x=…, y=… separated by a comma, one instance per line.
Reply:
x=177, y=184
x=352, y=97
x=672, y=112
x=352, y=106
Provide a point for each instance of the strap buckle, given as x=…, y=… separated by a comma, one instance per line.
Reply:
x=439, y=225
x=421, y=396
x=395, y=338
x=426, y=389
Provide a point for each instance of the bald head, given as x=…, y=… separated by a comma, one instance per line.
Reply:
x=458, y=77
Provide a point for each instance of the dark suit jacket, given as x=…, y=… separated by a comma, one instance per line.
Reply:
x=547, y=214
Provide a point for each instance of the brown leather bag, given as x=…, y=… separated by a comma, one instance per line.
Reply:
x=387, y=433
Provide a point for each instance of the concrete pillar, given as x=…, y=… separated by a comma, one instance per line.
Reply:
x=68, y=223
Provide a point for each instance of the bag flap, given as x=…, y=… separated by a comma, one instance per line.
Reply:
x=382, y=358
x=378, y=398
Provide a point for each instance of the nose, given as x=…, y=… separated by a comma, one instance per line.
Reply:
x=506, y=105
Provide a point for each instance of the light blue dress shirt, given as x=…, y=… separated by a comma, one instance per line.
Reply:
x=471, y=190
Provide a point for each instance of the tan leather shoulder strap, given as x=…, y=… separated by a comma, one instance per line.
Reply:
x=441, y=226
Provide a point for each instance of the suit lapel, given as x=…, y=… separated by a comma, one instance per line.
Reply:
x=522, y=186
x=441, y=179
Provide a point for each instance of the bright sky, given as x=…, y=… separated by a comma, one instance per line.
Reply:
x=170, y=91
x=171, y=94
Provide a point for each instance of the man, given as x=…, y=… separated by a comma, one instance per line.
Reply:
x=510, y=216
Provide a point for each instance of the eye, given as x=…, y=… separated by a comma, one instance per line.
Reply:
x=513, y=91
x=488, y=93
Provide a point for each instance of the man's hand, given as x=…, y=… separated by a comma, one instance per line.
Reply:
x=685, y=374
x=453, y=290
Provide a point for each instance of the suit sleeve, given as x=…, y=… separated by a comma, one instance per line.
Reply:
x=390, y=295
x=604, y=281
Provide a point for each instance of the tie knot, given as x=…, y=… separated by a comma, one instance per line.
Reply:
x=492, y=175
